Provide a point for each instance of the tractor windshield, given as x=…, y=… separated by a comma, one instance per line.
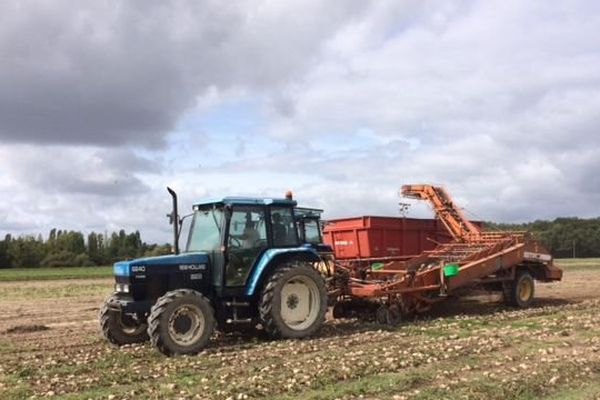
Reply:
x=205, y=232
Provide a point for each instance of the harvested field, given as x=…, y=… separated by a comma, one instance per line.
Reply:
x=471, y=348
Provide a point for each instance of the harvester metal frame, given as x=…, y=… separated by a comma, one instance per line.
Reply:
x=497, y=259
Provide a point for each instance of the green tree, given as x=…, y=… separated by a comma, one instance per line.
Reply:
x=4, y=258
x=93, y=251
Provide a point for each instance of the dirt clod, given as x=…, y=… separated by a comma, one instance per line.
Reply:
x=27, y=328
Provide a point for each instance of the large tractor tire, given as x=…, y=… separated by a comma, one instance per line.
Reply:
x=181, y=322
x=520, y=292
x=293, y=301
x=119, y=328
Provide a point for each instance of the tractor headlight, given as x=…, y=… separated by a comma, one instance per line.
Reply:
x=122, y=287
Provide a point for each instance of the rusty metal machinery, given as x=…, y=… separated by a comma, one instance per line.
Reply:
x=506, y=261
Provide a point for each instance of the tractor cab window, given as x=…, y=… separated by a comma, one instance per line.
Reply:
x=247, y=239
x=311, y=231
x=205, y=232
x=283, y=227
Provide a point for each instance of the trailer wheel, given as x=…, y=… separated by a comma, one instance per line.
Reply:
x=381, y=315
x=181, y=322
x=293, y=301
x=119, y=328
x=394, y=315
x=520, y=292
x=388, y=315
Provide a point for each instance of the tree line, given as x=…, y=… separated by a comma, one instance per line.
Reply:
x=563, y=237
x=65, y=248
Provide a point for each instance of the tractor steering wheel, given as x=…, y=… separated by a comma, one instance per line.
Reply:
x=235, y=242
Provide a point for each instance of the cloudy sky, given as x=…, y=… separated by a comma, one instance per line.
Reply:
x=104, y=103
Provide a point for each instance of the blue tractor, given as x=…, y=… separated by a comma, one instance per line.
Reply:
x=248, y=261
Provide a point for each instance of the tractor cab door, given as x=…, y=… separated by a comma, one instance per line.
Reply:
x=246, y=240
x=284, y=232
x=310, y=231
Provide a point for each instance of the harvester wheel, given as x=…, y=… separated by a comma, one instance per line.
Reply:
x=394, y=315
x=181, y=322
x=388, y=315
x=520, y=292
x=381, y=315
x=293, y=302
x=119, y=328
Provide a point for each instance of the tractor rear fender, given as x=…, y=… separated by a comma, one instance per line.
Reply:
x=271, y=258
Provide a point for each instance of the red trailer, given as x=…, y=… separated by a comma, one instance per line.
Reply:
x=359, y=243
x=372, y=237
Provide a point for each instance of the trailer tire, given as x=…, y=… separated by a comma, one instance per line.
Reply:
x=391, y=315
x=521, y=291
x=394, y=316
x=181, y=322
x=294, y=290
x=119, y=328
x=381, y=315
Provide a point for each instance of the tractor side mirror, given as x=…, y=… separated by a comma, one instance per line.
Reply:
x=171, y=219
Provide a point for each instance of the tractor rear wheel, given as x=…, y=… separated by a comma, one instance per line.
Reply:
x=119, y=328
x=181, y=322
x=520, y=292
x=293, y=302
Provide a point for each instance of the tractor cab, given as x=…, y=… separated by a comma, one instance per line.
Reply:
x=236, y=232
x=310, y=228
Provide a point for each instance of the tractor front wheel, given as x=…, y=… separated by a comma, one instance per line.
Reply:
x=181, y=322
x=119, y=328
x=293, y=301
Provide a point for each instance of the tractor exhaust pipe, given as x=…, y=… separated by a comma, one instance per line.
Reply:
x=174, y=220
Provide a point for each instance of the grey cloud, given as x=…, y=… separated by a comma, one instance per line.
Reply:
x=65, y=170
x=112, y=73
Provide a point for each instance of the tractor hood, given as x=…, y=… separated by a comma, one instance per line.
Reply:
x=190, y=260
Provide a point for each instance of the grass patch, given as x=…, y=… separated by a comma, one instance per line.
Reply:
x=7, y=347
x=38, y=274
x=378, y=385
x=16, y=389
x=527, y=324
x=76, y=290
x=589, y=390
x=574, y=264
